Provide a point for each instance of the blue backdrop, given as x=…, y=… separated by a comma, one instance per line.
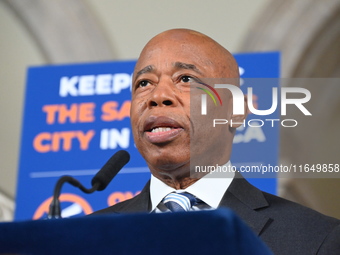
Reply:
x=77, y=116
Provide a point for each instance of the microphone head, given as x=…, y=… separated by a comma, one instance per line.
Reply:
x=110, y=169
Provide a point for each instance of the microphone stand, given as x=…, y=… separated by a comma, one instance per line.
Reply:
x=55, y=210
x=99, y=181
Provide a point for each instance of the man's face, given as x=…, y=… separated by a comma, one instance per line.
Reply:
x=160, y=108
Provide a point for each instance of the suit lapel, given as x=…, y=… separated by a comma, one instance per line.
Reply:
x=140, y=203
x=244, y=199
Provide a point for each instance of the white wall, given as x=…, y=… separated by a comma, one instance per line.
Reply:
x=128, y=26
x=17, y=52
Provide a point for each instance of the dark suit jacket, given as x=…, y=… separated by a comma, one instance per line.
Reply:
x=286, y=227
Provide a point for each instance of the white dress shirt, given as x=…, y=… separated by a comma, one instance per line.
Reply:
x=208, y=189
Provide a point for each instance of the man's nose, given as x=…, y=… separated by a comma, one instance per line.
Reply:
x=164, y=94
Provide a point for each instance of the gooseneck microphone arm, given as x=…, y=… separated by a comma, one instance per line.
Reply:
x=99, y=181
x=55, y=211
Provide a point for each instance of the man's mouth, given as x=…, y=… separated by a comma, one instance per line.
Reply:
x=161, y=129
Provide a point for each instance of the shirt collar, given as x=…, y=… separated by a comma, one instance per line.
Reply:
x=209, y=189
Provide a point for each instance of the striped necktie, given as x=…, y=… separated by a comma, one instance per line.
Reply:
x=179, y=202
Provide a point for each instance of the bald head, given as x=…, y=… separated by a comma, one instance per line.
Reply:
x=170, y=77
x=215, y=57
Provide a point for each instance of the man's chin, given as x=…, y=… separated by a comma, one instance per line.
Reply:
x=169, y=163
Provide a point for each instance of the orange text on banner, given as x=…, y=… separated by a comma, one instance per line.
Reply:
x=117, y=197
x=75, y=113
x=111, y=112
x=56, y=141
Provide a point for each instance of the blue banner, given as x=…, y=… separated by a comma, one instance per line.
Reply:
x=77, y=116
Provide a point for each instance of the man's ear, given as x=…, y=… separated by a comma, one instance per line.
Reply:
x=238, y=120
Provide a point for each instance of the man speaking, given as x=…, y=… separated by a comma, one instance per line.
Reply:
x=173, y=137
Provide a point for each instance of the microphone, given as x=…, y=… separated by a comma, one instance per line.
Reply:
x=110, y=169
x=99, y=181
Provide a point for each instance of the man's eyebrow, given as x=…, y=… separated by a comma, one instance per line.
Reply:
x=181, y=65
x=147, y=69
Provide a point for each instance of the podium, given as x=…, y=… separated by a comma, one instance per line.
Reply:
x=203, y=232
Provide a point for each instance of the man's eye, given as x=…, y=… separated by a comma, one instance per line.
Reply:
x=186, y=79
x=143, y=84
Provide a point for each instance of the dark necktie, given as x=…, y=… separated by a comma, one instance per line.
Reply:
x=179, y=202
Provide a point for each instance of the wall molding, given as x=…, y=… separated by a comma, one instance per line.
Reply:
x=64, y=30
x=307, y=33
